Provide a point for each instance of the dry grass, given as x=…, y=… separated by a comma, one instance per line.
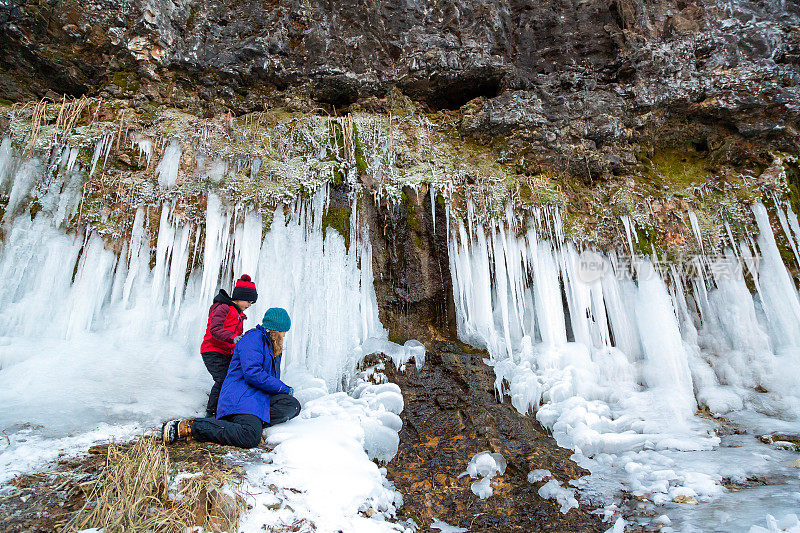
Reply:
x=36, y=121
x=133, y=494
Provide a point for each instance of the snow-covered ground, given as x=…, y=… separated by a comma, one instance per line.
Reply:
x=320, y=468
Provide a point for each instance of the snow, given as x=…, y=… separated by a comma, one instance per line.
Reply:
x=26, y=450
x=444, y=527
x=616, y=365
x=619, y=526
x=318, y=472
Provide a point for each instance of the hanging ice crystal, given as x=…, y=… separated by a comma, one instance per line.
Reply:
x=167, y=169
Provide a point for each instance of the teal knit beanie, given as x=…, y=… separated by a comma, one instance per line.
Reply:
x=276, y=319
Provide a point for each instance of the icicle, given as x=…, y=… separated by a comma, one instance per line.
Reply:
x=626, y=223
x=730, y=237
x=777, y=290
x=433, y=208
x=145, y=147
x=787, y=231
x=6, y=161
x=167, y=169
x=99, y=148
x=793, y=223
x=666, y=365
x=23, y=181
x=696, y=230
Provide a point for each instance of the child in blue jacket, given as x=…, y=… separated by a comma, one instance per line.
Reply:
x=253, y=396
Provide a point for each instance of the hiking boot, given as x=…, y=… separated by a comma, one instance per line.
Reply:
x=174, y=430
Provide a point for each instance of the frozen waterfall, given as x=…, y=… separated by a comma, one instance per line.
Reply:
x=97, y=330
x=615, y=356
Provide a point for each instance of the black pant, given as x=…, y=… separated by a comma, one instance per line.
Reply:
x=244, y=431
x=217, y=365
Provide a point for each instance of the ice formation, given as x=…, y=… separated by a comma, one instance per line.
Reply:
x=167, y=169
x=484, y=465
x=788, y=524
x=563, y=496
x=99, y=340
x=618, y=366
x=538, y=475
x=444, y=527
x=399, y=354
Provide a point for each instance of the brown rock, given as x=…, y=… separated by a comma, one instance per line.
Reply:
x=471, y=421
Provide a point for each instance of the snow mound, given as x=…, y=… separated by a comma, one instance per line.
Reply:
x=320, y=469
x=789, y=524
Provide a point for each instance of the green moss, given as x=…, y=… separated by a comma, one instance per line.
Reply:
x=646, y=241
x=396, y=337
x=127, y=81
x=677, y=167
x=361, y=162
x=413, y=219
x=337, y=218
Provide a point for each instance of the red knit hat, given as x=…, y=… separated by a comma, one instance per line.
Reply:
x=245, y=289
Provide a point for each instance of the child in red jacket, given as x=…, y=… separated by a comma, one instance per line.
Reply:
x=225, y=326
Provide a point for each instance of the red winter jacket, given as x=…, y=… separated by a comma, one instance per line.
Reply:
x=225, y=322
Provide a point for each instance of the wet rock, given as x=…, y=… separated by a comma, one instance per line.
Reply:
x=411, y=264
x=451, y=413
x=782, y=441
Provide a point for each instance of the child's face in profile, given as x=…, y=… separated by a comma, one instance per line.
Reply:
x=243, y=304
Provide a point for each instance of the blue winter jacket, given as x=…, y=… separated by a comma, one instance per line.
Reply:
x=253, y=375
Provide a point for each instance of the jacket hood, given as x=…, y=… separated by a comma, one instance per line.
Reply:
x=223, y=298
